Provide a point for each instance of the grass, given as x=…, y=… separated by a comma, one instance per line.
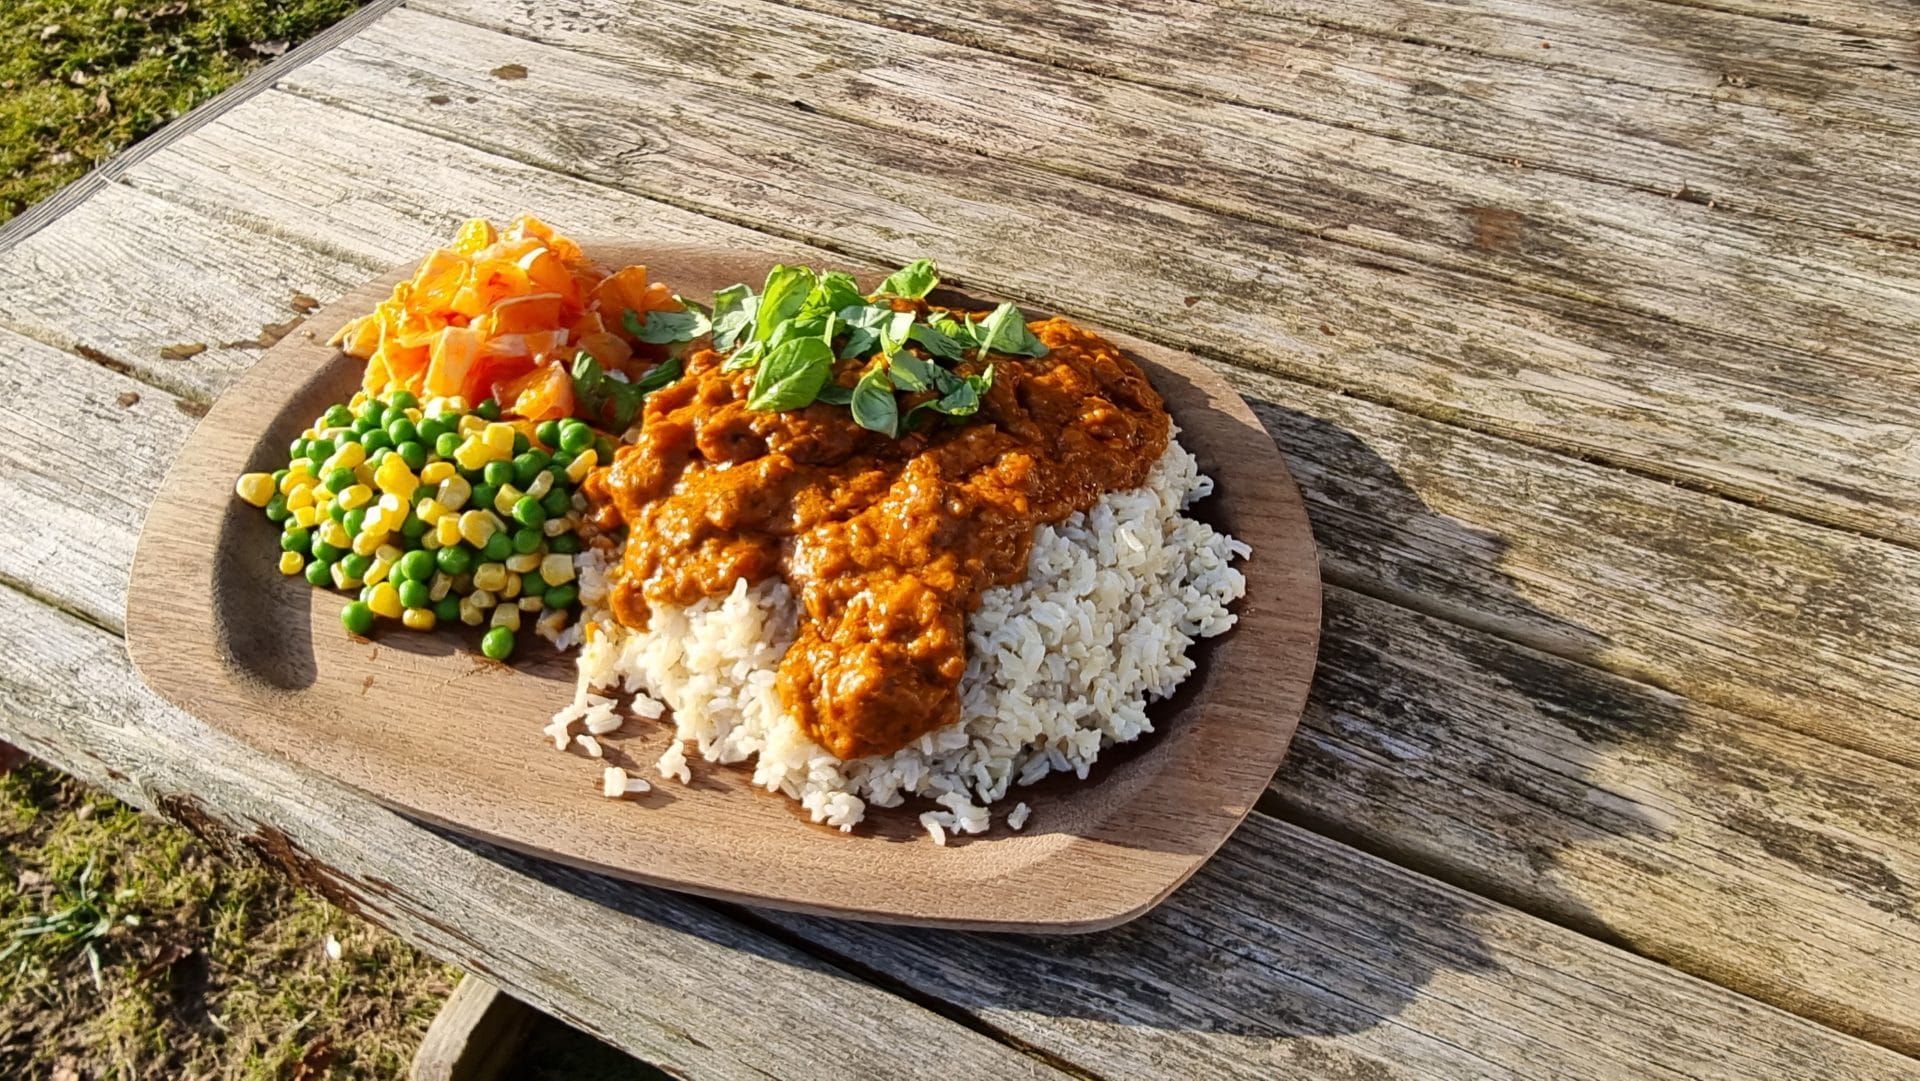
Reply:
x=80, y=79
x=135, y=952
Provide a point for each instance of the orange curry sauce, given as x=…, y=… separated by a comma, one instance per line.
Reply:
x=887, y=543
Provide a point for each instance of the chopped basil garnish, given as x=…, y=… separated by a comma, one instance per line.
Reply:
x=873, y=406
x=791, y=375
x=615, y=402
x=662, y=328
x=913, y=281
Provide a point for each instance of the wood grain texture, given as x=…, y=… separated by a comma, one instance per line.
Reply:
x=261, y=656
x=476, y=1036
x=661, y=976
x=1825, y=438
x=1290, y=956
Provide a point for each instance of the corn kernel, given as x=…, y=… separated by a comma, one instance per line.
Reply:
x=504, y=499
x=385, y=600
x=471, y=425
x=556, y=568
x=291, y=563
x=255, y=488
x=395, y=478
x=499, y=439
x=366, y=543
x=532, y=604
x=482, y=598
x=363, y=475
x=294, y=481
x=379, y=570
x=335, y=534
x=491, y=577
x=438, y=587
x=348, y=456
x=431, y=541
x=359, y=399
x=300, y=497
x=471, y=614
x=420, y=619
x=463, y=584
x=553, y=527
x=541, y=485
x=357, y=495
x=506, y=616
x=472, y=454
x=413, y=414
x=475, y=529
x=339, y=576
x=512, y=588
x=584, y=461
x=522, y=562
x=306, y=516
x=435, y=472
x=430, y=510
x=390, y=553
x=454, y=492
x=447, y=531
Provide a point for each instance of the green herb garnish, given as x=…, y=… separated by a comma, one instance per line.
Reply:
x=615, y=402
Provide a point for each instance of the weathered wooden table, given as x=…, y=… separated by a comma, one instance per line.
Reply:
x=1591, y=329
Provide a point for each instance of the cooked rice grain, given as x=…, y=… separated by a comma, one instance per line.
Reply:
x=1060, y=665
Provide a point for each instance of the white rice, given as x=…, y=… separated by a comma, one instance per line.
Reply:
x=1060, y=666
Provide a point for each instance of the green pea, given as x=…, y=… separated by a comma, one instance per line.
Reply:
x=497, y=473
x=497, y=643
x=455, y=559
x=277, y=511
x=320, y=572
x=532, y=585
x=499, y=546
x=527, y=541
x=521, y=444
x=447, y=608
x=339, y=479
x=400, y=430
x=278, y=475
x=297, y=448
x=336, y=416
x=363, y=425
x=548, y=433
x=413, y=453
x=528, y=512
x=297, y=539
x=558, y=501
x=375, y=412
x=561, y=596
x=358, y=618
x=488, y=409
x=414, y=566
x=376, y=439
x=527, y=465
x=355, y=519
x=325, y=552
x=566, y=543
x=562, y=458
x=337, y=512
x=366, y=593
x=603, y=450
x=403, y=399
x=319, y=450
x=355, y=565
x=413, y=594
x=413, y=527
x=375, y=457
x=446, y=443
x=483, y=495
x=431, y=428
x=575, y=436
x=343, y=436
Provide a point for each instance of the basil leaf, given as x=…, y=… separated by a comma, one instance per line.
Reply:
x=661, y=328
x=913, y=281
x=953, y=328
x=936, y=341
x=893, y=332
x=791, y=376
x=781, y=299
x=835, y=394
x=864, y=320
x=873, y=405
x=836, y=290
x=911, y=373
x=1005, y=331
x=660, y=375
x=746, y=356
x=733, y=309
x=608, y=400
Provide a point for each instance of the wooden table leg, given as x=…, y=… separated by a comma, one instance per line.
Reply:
x=475, y=1036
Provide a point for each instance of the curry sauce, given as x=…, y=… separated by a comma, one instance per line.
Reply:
x=886, y=542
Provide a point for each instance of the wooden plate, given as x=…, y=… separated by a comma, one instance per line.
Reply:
x=425, y=725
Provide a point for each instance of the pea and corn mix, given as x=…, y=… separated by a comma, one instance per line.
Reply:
x=435, y=513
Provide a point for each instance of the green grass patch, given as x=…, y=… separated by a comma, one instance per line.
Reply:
x=207, y=967
x=80, y=79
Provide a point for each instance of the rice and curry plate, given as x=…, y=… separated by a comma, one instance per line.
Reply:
x=879, y=549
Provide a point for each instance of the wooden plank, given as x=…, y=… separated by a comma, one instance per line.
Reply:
x=1738, y=275
x=1617, y=570
x=1292, y=953
x=1762, y=860
x=656, y=974
x=1831, y=440
x=1717, y=843
x=1742, y=156
x=476, y=1036
x=1858, y=15
x=50, y=209
x=1294, y=957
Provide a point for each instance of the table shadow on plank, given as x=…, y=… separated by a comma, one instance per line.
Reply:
x=1282, y=935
